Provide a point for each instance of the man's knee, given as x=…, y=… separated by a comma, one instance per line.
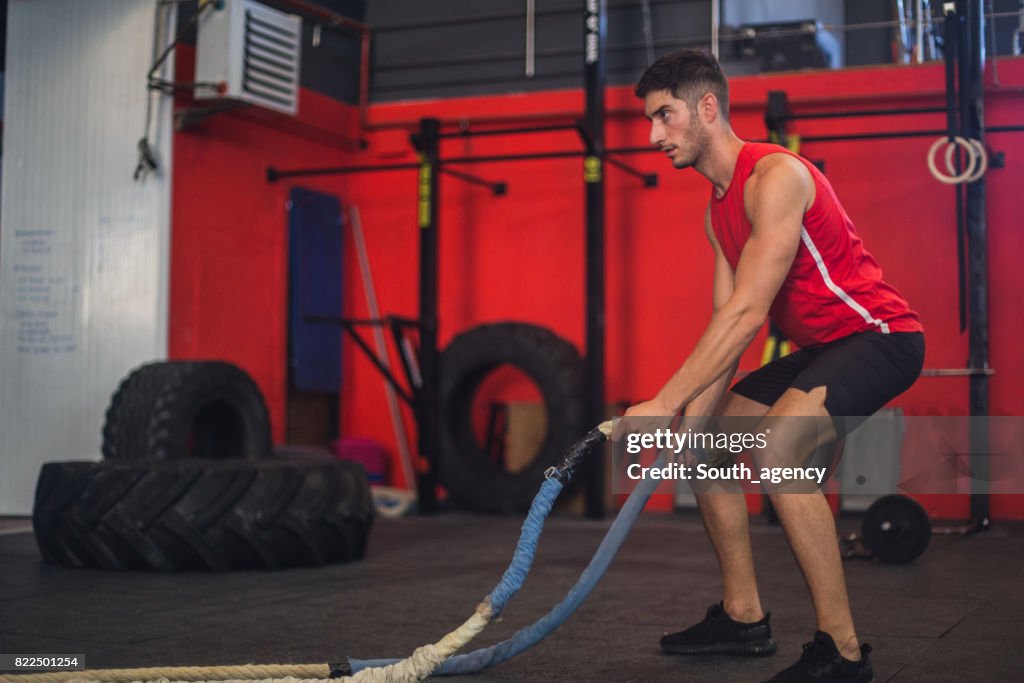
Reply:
x=802, y=402
x=800, y=422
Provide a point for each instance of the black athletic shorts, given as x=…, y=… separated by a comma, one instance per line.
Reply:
x=861, y=374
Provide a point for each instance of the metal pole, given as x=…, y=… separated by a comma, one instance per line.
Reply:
x=373, y=307
x=951, y=50
x=904, y=32
x=857, y=113
x=645, y=8
x=716, y=21
x=919, y=29
x=468, y=132
x=594, y=42
x=972, y=94
x=427, y=409
x=530, y=35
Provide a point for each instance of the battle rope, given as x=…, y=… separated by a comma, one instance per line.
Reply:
x=423, y=661
x=435, y=658
x=529, y=636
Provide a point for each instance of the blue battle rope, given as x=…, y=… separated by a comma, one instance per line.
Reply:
x=515, y=575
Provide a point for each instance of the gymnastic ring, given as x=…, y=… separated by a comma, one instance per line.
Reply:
x=952, y=179
x=979, y=149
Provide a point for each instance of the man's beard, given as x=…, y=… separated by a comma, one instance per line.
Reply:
x=696, y=151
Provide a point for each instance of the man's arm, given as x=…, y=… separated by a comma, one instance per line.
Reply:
x=704, y=404
x=776, y=199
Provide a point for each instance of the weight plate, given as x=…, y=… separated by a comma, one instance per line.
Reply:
x=896, y=529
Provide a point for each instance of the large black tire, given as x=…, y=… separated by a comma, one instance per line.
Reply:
x=553, y=364
x=202, y=514
x=125, y=432
x=177, y=409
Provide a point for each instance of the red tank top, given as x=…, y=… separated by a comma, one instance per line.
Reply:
x=835, y=287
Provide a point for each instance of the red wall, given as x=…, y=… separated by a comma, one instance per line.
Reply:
x=520, y=256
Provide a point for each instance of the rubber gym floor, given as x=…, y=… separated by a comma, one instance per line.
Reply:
x=952, y=615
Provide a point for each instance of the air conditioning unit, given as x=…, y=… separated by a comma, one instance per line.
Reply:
x=249, y=52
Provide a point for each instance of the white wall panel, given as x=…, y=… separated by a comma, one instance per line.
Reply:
x=83, y=247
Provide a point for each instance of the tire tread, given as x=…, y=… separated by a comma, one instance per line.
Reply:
x=202, y=514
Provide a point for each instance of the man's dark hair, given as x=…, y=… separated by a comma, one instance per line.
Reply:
x=688, y=75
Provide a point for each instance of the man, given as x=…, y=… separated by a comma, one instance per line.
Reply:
x=785, y=249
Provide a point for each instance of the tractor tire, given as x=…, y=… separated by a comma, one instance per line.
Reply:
x=554, y=366
x=178, y=409
x=193, y=514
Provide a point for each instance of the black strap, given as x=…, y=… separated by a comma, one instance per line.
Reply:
x=340, y=670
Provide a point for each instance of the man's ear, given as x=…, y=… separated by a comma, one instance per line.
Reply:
x=709, y=107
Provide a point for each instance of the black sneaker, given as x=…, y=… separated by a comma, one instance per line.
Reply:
x=718, y=634
x=822, y=663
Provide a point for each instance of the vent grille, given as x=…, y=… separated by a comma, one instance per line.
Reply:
x=270, y=67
